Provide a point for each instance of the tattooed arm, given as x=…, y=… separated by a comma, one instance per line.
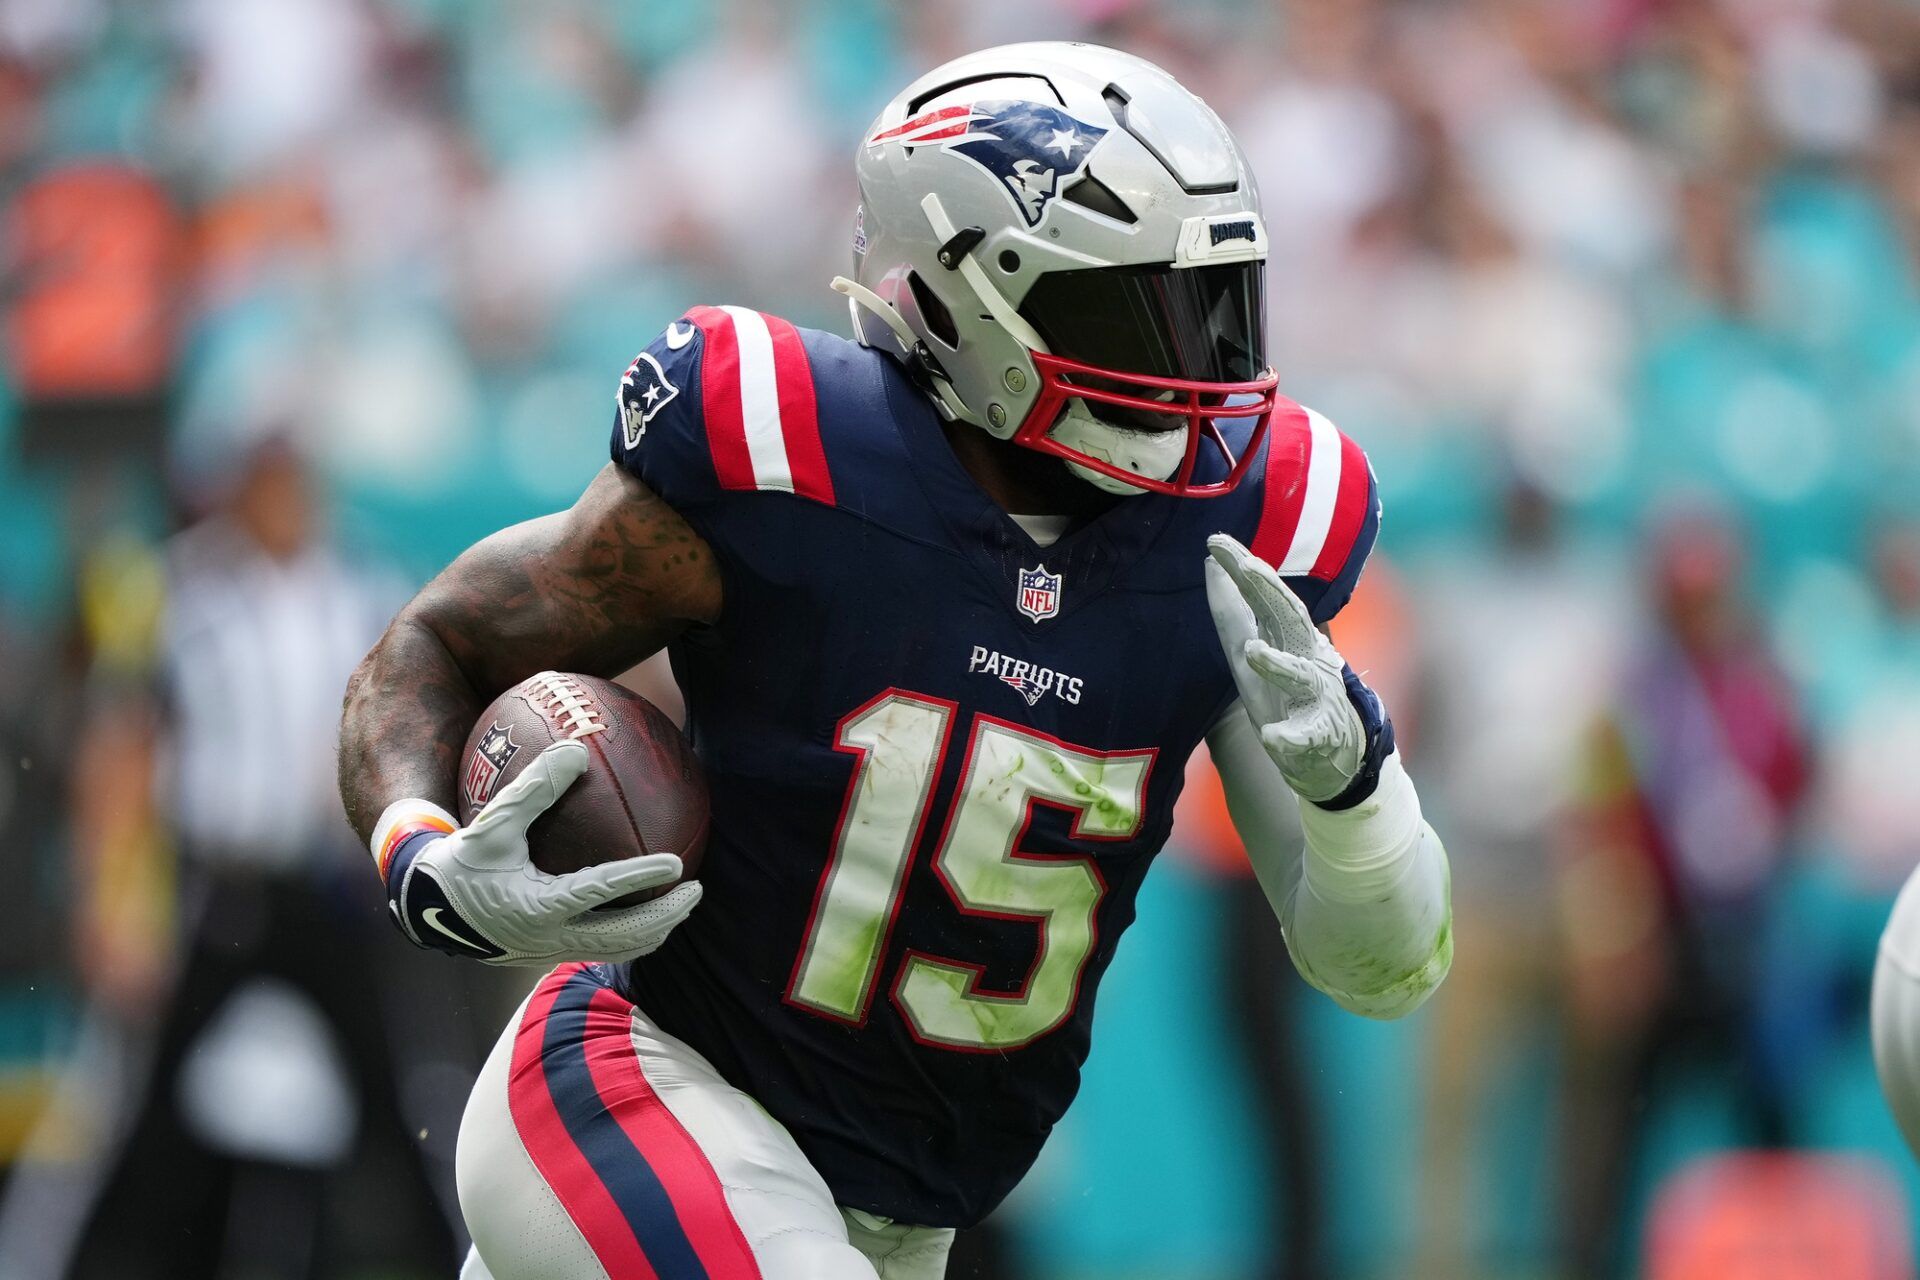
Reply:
x=594, y=589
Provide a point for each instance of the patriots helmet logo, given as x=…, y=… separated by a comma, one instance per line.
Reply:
x=1030, y=147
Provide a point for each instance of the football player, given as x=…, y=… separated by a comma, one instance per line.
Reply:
x=1895, y=1012
x=951, y=604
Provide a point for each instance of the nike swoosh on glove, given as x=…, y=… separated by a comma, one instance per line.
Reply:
x=474, y=891
x=1319, y=722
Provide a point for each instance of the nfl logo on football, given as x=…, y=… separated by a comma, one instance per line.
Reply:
x=1039, y=593
x=495, y=752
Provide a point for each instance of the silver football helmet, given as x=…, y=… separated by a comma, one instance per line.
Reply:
x=1065, y=248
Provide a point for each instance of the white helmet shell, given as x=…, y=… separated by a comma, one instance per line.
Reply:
x=1009, y=170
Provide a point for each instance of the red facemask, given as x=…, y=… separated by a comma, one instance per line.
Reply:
x=1197, y=404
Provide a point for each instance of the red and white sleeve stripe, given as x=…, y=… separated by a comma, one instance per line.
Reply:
x=762, y=419
x=1315, y=499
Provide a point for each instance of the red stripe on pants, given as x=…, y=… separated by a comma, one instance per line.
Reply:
x=552, y=1149
x=683, y=1169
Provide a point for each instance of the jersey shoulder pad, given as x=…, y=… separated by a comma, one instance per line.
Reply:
x=725, y=400
x=1319, y=508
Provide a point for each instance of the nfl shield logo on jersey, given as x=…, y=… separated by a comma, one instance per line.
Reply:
x=1039, y=593
x=490, y=759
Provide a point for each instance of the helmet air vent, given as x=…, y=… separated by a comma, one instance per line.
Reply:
x=1091, y=193
x=1010, y=86
x=939, y=320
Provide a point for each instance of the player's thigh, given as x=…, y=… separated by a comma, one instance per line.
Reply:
x=594, y=1145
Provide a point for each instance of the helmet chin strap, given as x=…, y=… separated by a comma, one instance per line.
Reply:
x=859, y=296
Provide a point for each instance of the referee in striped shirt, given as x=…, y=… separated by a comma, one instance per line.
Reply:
x=263, y=621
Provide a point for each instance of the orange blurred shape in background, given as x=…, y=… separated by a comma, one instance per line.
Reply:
x=1779, y=1216
x=95, y=251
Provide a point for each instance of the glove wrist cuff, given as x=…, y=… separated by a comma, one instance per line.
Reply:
x=1380, y=745
x=402, y=820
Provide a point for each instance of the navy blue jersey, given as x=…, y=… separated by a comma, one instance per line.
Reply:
x=941, y=756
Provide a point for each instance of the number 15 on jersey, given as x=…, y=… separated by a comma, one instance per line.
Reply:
x=900, y=741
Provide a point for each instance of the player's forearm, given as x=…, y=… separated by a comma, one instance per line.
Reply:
x=1364, y=898
x=408, y=709
x=512, y=605
x=596, y=589
x=1371, y=921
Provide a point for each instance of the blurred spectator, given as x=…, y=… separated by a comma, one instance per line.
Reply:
x=271, y=1066
x=1521, y=644
x=1871, y=697
x=1692, y=788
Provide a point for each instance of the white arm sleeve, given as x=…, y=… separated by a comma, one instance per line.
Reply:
x=1365, y=905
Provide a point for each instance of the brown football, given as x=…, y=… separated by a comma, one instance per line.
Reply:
x=643, y=791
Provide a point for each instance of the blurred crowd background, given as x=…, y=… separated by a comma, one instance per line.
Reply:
x=301, y=296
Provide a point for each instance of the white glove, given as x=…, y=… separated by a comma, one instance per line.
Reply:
x=474, y=891
x=1291, y=678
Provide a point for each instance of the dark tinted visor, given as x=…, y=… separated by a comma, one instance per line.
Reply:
x=1203, y=323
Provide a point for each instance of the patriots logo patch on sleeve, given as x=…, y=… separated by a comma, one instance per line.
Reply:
x=1030, y=147
x=644, y=391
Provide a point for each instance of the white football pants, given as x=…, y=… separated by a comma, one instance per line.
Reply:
x=597, y=1147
